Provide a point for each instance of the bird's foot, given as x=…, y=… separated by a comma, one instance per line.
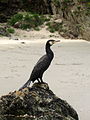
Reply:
x=20, y=89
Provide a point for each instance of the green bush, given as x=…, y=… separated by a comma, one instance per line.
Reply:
x=15, y=18
x=24, y=26
x=27, y=20
x=54, y=26
x=10, y=30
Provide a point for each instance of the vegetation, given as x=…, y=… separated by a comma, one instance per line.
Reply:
x=54, y=26
x=4, y=32
x=27, y=20
x=16, y=18
x=57, y=2
x=11, y=30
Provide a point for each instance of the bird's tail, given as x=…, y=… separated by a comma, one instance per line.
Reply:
x=25, y=85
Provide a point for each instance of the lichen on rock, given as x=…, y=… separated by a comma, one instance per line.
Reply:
x=36, y=102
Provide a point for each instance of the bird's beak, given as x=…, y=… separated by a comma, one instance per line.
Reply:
x=57, y=41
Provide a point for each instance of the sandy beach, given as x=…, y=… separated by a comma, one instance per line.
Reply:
x=68, y=76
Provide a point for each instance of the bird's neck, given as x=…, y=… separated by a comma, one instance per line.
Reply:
x=49, y=52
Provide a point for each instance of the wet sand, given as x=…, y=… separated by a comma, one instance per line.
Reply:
x=68, y=76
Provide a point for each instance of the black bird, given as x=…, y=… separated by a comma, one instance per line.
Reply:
x=42, y=64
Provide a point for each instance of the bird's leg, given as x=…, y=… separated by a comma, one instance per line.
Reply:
x=41, y=80
x=38, y=80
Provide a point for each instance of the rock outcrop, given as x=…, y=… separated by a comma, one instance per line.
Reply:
x=75, y=15
x=10, y=7
x=35, y=103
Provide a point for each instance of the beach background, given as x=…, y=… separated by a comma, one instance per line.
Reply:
x=68, y=75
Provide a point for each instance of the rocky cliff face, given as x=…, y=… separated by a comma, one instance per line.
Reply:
x=10, y=7
x=75, y=15
x=35, y=103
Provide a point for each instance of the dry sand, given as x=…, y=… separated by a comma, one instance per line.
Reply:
x=68, y=76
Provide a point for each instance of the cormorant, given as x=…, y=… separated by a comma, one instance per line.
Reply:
x=42, y=64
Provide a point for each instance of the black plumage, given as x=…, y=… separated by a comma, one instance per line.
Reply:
x=42, y=65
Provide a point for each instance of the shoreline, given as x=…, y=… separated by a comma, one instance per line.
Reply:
x=6, y=40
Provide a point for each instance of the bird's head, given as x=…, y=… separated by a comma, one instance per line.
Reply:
x=51, y=42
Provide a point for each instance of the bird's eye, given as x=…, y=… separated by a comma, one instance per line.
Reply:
x=51, y=43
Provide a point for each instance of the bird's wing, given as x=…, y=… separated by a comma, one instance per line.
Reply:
x=42, y=64
x=42, y=59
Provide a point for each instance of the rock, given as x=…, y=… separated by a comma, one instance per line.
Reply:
x=35, y=103
x=9, y=8
x=75, y=16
